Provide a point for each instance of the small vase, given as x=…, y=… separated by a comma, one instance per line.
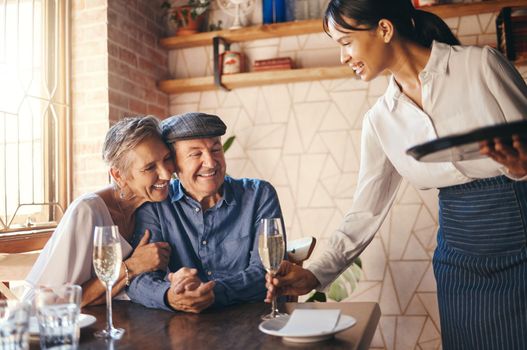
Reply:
x=186, y=24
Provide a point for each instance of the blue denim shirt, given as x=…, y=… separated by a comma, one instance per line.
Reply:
x=221, y=243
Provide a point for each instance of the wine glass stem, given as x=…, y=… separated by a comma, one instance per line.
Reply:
x=273, y=300
x=109, y=323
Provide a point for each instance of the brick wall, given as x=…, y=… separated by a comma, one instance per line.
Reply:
x=115, y=65
x=135, y=61
x=89, y=92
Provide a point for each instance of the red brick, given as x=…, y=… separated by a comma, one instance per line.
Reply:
x=147, y=66
x=137, y=18
x=136, y=46
x=118, y=99
x=157, y=58
x=137, y=106
x=150, y=95
x=128, y=56
x=157, y=111
x=116, y=35
x=116, y=113
x=149, y=39
x=113, y=49
x=162, y=99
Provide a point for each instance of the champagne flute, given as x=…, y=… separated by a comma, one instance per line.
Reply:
x=271, y=247
x=107, y=259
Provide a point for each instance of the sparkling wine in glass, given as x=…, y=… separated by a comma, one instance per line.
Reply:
x=271, y=247
x=107, y=259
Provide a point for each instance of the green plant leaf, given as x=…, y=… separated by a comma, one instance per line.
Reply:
x=337, y=291
x=317, y=296
x=228, y=143
x=358, y=261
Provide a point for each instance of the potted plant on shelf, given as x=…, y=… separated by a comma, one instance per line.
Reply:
x=186, y=17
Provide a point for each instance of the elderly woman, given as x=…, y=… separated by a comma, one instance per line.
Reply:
x=141, y=166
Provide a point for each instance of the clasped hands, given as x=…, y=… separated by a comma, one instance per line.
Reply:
x=188, y=293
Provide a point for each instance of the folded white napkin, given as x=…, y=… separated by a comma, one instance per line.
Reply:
x=309, y=321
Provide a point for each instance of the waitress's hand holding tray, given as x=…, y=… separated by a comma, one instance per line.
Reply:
x=505, y=143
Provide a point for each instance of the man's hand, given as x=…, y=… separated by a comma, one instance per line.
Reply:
x=148, y=257
x=187, y=292
x=513, y=158
x=290, y=279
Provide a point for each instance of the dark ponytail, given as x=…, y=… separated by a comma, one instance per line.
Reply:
x=415, y=25
x=429, y=27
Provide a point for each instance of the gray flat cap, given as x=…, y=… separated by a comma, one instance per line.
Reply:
x=192, y=125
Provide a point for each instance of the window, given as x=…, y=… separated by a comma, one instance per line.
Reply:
x=34, y=113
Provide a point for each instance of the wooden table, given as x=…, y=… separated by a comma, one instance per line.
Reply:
x=234, y=327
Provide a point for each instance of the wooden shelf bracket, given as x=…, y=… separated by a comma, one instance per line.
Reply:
x=216, y=41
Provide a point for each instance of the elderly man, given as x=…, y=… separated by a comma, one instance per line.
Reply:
x=210, y=221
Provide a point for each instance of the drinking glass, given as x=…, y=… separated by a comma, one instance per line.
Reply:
x=107, y=260
x=271, y=247
x=14, y=325
x=58, y=310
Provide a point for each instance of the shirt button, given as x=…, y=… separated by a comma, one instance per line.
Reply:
x=204, y=242
x=197, y=210
x=209, y=273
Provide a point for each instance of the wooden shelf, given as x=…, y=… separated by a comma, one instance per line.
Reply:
x=268, y=31
x=264, y=31
x=254, y=78
x=287, y=29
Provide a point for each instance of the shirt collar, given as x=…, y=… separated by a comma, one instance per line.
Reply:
x=392, y=93
x=437, y=64
x=177, y=192
x=438, y=61
x=228, y=193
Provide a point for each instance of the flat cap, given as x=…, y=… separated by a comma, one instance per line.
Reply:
x=193, y=125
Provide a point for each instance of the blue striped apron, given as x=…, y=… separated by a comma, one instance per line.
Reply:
x=480, y=265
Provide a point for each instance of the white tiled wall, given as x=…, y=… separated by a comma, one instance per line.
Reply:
x=305, y=139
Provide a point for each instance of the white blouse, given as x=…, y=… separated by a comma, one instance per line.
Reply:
x=67, y=256
x=462, y=88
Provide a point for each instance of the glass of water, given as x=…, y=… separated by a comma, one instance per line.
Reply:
x=14, y=325
x=271, y=247
x=107, y=260
x=58, y=310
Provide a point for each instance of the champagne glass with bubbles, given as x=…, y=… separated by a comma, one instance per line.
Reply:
x=271, y=247
x=107, y=259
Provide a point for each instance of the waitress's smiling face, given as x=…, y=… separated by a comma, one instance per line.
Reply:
x=364, y=50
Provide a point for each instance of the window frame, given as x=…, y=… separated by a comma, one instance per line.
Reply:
x=57, y=153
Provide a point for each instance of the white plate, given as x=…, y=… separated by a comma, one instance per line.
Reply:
x=274, y=326
x=84, y=321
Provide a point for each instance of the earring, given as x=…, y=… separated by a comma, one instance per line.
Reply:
x=121, y=194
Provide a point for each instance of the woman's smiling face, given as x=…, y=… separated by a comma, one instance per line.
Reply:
x=151, y=166
x=364, y=51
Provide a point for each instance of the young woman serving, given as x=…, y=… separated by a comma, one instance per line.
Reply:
x=436, y=88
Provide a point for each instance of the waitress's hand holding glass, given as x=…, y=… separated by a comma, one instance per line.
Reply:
x=107, y=259
x=271, y=247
